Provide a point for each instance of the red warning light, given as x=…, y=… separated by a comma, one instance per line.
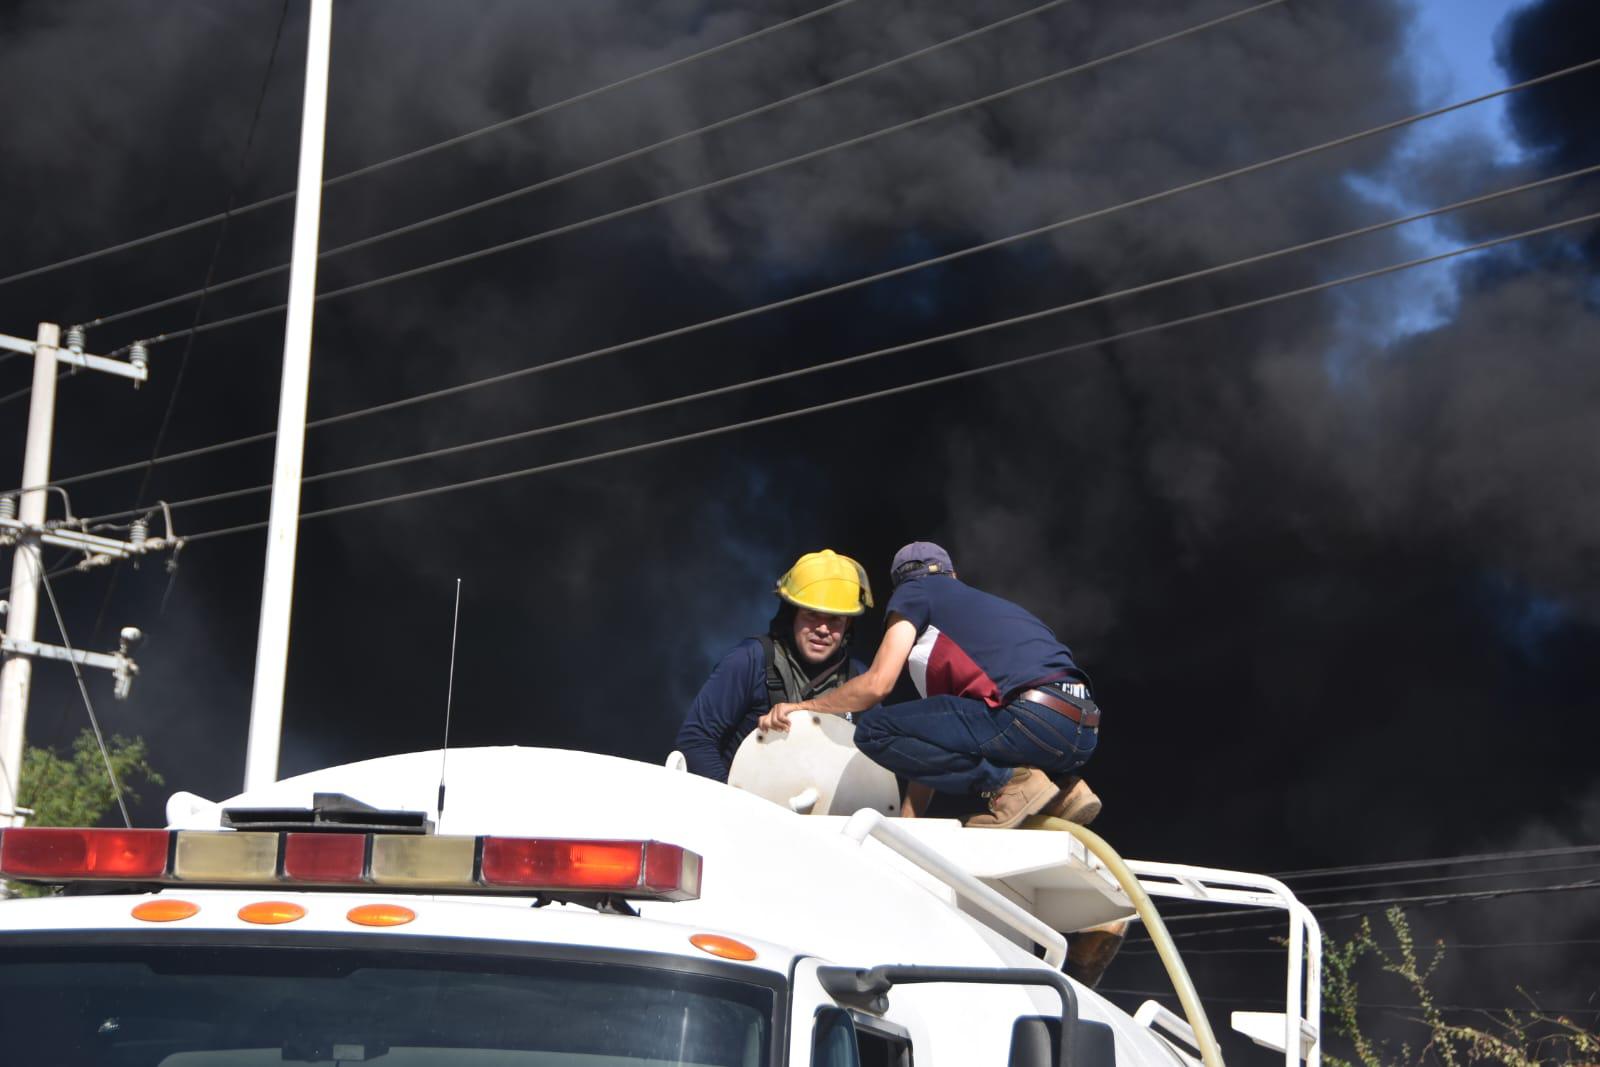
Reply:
x=592, y=865
x=49, y=853
x=634, y=868
x=325, y=857
x=671, y=871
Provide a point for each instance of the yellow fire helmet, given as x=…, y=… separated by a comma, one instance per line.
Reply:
x=827, y=582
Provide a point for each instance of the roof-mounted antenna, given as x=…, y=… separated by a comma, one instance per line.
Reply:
x=449, y=695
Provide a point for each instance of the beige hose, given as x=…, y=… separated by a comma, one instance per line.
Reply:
x=1210, y=1053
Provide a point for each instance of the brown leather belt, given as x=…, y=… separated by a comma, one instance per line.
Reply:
x=1087, y=717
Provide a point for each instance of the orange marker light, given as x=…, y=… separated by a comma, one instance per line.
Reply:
x=726, y=947
x=381, y=915
x=165, y=910
x=271, y=912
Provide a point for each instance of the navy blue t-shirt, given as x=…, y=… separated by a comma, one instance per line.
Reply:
x=974, y=644
x=727, y=708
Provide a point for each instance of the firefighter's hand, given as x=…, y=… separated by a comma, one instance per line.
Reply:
x=778, y=717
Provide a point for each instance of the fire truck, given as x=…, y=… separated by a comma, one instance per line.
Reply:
x=567, y=908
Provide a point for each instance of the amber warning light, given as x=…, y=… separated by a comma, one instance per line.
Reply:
x=637, y=870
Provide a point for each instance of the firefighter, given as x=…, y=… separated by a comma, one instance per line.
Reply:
x=805, y=652
x=1005, y=714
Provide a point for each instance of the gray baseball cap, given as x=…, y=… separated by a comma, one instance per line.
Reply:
x=917, y=558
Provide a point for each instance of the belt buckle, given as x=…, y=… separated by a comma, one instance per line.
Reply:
x=1076, y=690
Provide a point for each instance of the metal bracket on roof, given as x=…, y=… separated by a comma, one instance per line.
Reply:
x=869, y=823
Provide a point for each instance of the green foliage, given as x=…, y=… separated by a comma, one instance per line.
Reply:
x=1515, y=1038
x=73, y=790
x=1339, y=990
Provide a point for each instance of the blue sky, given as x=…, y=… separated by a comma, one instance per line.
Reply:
x=1452, y=51
x=1452, y=47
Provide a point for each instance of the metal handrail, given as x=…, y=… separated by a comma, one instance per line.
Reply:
x=1305, y=937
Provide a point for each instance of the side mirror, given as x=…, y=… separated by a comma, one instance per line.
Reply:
x=1036, y=1042
x=833, y=1040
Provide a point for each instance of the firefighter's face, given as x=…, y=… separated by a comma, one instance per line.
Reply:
x=817, y=636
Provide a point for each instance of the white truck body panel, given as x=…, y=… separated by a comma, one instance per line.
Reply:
x=793, y=887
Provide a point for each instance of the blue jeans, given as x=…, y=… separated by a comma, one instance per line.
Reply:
x=959, y=745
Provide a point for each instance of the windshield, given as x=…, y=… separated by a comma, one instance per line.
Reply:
x=206, y=1005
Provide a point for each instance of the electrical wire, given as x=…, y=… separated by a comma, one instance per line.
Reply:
x=88, y=705
x=216, y=250
x=783, y=416
x=18, y=395
x=1449, y=946
x=681, y=331
x=1519, y=873
x=418, y=153
x=1364, y=907
x=61, y=374
x=54, y=572
x=1529, y=1009
x=591, y=168
x=1426, y=898
x=705, y=394
x=767, y=168
x=1481, y=857
x=199, y=310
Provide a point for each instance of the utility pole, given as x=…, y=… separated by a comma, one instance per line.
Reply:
x=25, y=527
x=283, y=521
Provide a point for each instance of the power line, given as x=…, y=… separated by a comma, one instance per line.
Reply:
x=88, y=705
x=54, y=572
x=1450, y=946
x=449, y=450
x=28, y=389
x=828, y=290
x=591, y=168
x=19, y=394
x=451, y=142
x=1516, y=873
x=719, y=183
x=1426, y=898
x=910, y=386
x=216, y=252
x=1481, y=857
x=199, y=310
x=1526, y=1008
x=1364, y=907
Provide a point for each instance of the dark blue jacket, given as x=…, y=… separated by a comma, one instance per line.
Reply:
x=726, y=710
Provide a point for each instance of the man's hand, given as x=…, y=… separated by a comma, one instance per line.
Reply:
x=778, y=717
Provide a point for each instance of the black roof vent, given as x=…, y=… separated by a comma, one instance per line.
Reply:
x=329, y=813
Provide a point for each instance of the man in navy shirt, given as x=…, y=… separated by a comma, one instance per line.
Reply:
x=804, y=652
x=1005, y=711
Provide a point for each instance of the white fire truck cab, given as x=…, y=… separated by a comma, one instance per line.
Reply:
x=572, y=909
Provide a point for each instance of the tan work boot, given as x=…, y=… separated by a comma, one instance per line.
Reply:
x=1090, y=952
x=1030, y=790
x=1077, y=802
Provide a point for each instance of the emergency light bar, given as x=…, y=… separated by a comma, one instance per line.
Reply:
x=639, y=870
